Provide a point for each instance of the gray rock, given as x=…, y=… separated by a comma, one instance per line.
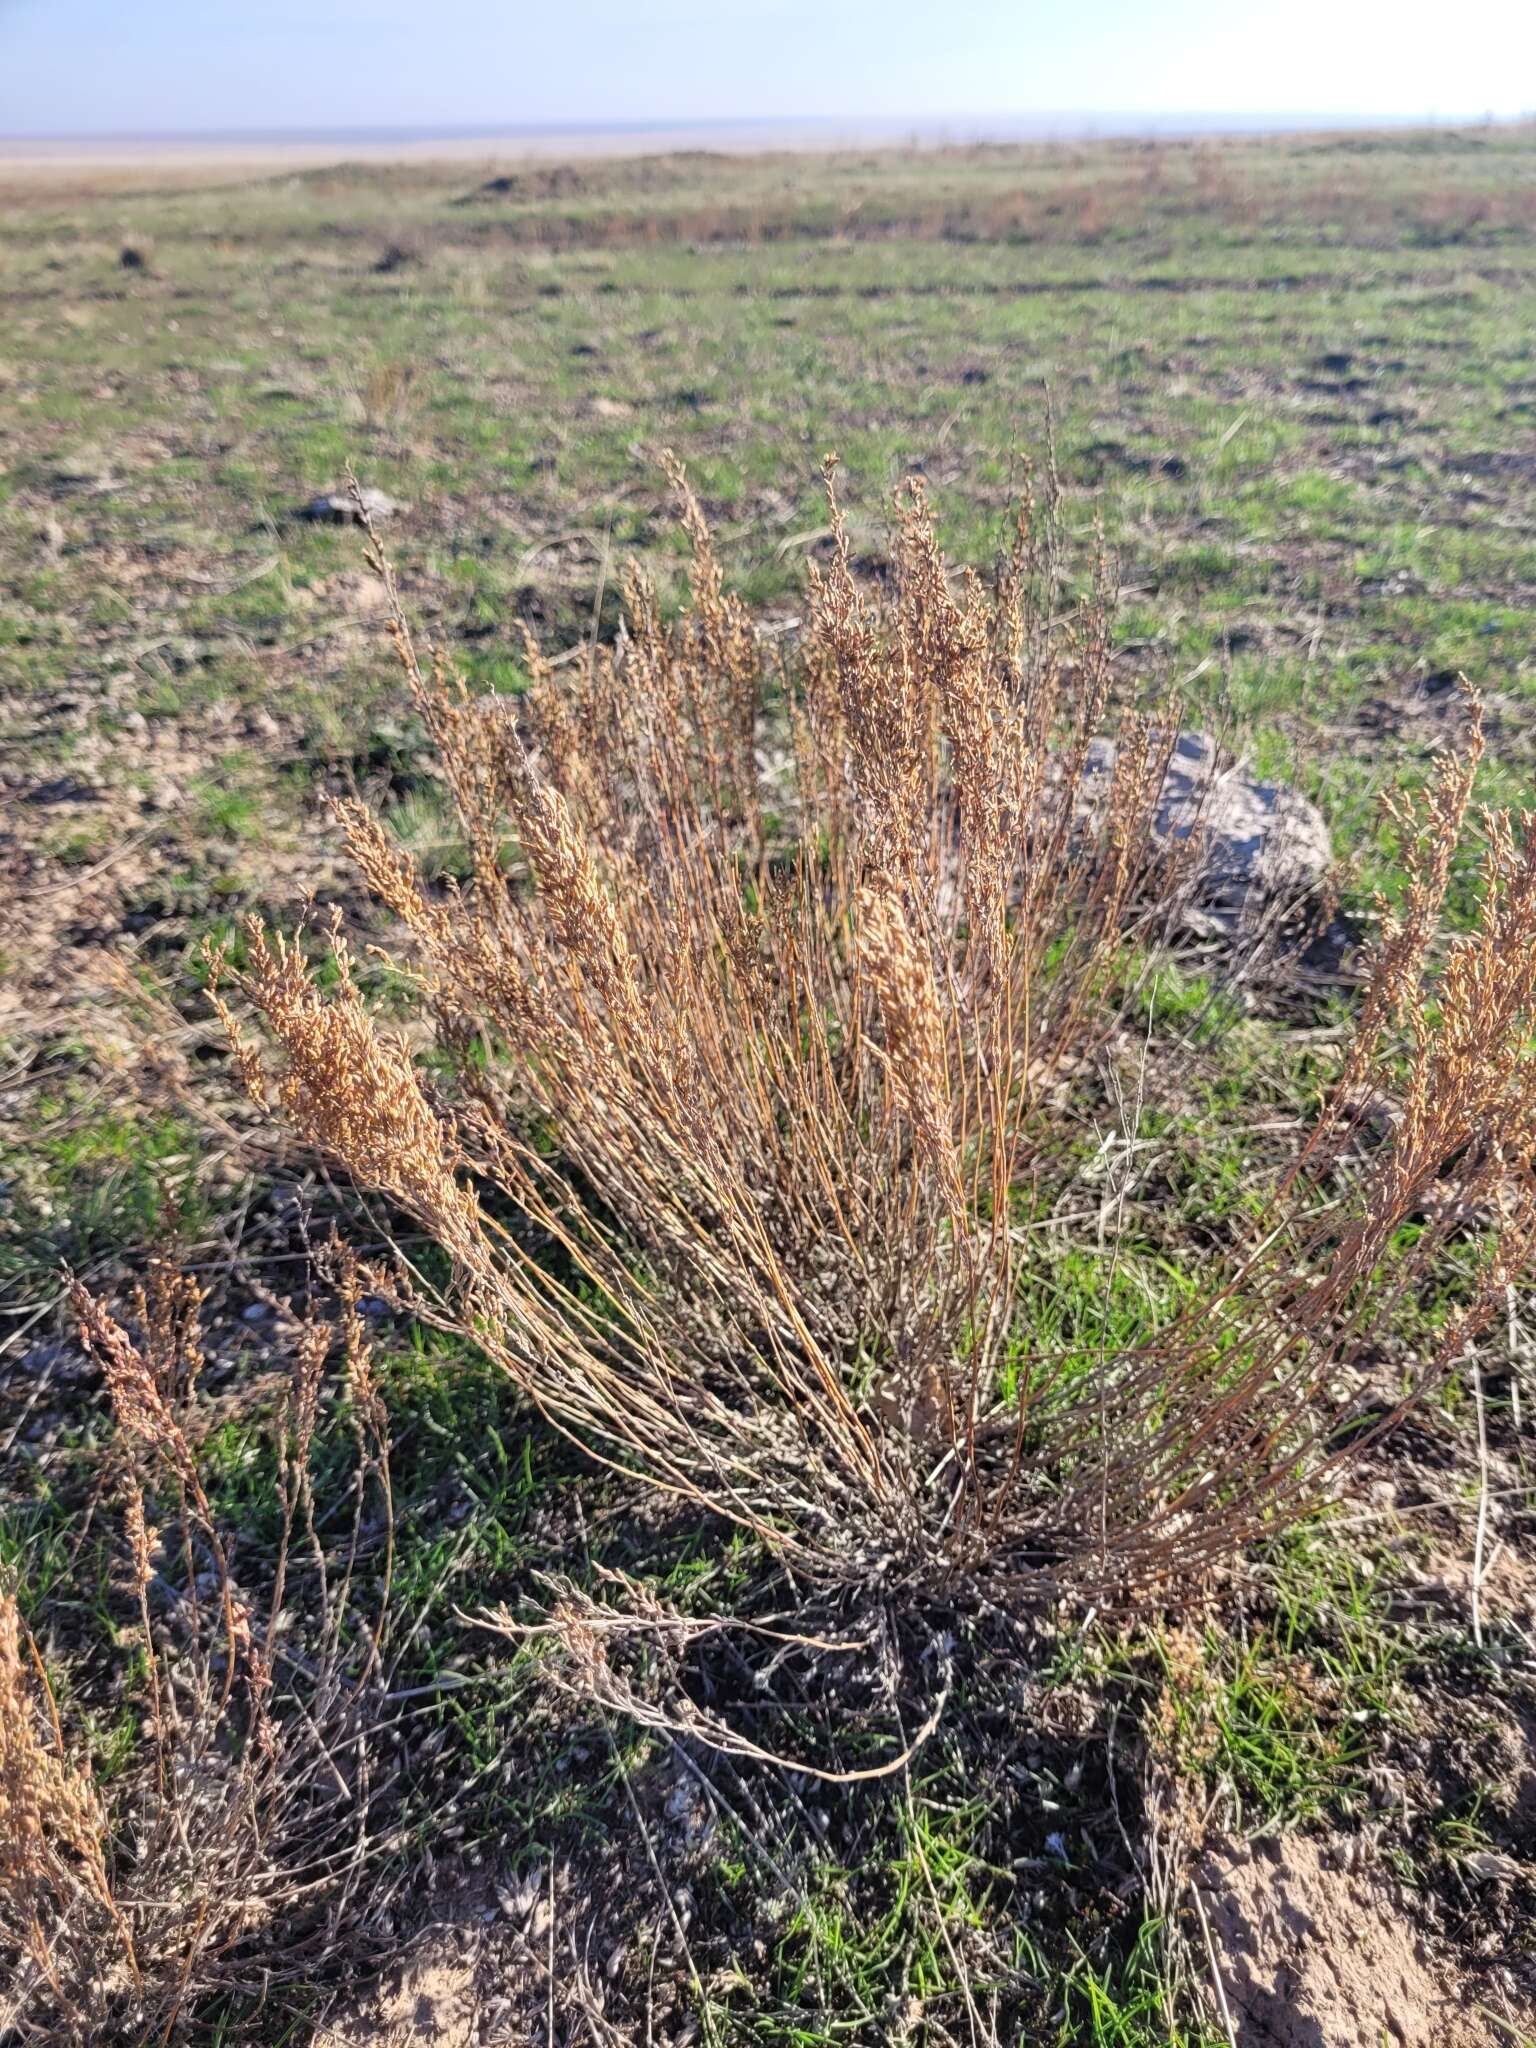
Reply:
x=338, y=508
x=1260, y=843
x=161, y=796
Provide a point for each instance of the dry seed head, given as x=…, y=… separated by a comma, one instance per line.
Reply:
x=1430, y=843
x=169, y=1309
x=885, y=708
x=581, y=915
x=912, y=1052
x=949, y=648
x=356, y=1349
x=310, y=1354
x=138, y=1402
x=386, y=867
x=352, y=1088
x=143, y=1540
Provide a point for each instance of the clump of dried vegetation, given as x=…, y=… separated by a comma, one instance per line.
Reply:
x=222, y=1855
x=759, y=1035
x=786, y=995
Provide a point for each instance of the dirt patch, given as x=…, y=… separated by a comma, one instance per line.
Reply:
x=1429, y=709
x=435, y=1997
x=1506, y=1586
x=1317, y=1953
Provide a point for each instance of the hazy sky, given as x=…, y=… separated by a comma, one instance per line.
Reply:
x=137, y=66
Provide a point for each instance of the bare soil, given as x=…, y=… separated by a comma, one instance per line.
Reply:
x=1315, y=1951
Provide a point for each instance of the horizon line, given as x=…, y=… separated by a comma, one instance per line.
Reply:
x=1082, y=120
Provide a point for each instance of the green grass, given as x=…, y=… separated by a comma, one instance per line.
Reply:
x=87, y=1181
x=1246, y=487
x=1126, y=2004
x=1287, y=1705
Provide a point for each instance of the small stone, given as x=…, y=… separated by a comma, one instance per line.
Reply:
x=340, y=508
x=1490, y=1866
x=1258, y=841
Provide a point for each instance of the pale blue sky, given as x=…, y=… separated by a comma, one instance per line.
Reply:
x=146, y=66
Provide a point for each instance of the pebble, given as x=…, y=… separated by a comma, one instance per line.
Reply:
x=336, y=508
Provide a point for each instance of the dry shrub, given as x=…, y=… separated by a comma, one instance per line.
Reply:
x=765, y=1020
x=223, y=1856
x=52, y=1822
